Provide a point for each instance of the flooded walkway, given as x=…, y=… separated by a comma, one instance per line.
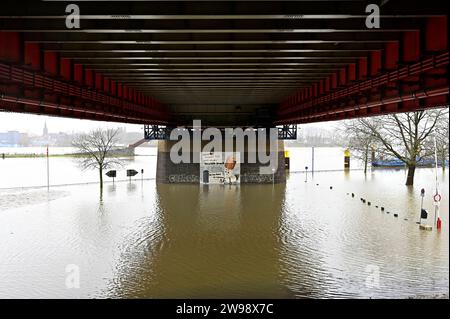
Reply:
x=301, y=239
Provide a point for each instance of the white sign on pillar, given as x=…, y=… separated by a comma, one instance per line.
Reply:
x=219, y=168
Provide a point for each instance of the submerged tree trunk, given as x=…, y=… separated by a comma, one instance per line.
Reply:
x=443, y=161
x=366, y=158
x=411, y=171
x=101, y=177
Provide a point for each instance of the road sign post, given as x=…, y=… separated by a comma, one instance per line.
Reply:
x=422, y=195
x=423, y=214
x=131, y=173
x=111, y=174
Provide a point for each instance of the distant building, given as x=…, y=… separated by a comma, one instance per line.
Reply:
x=10, y=138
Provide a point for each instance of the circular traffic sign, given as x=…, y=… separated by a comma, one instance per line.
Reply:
x=437, y=198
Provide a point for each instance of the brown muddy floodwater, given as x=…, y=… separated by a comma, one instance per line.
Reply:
x=293, y=240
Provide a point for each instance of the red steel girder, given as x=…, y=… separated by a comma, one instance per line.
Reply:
x=291, y=110
x=14, y=79
x=13, y=104
x=372, y=108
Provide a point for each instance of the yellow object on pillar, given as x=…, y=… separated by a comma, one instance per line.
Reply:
x=347, y=159
x=286, y=160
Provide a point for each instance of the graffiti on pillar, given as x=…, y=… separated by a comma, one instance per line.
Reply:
x=257, y=178
x=182, y=178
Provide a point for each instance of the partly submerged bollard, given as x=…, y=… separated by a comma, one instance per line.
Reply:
x=347, y=159
x=424, y=216
x=425, y=227
x=287, y=161
x=439, y=223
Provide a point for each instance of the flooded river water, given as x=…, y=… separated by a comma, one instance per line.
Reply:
x=306, y=238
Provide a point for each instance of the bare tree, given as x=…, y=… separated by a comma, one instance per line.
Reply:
x=406, y=136
x=442, y=141
x=359, y=140
x=96, y=150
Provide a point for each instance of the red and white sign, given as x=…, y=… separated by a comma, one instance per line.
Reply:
x=437, y=198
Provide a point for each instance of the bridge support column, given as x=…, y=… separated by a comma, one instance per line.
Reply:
x=169, y=172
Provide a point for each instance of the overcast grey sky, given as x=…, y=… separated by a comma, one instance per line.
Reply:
x=34, y=124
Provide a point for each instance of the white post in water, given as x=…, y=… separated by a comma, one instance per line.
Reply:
x=48, y=171
x=437, y=196
x=422, y=195
x=273, y=177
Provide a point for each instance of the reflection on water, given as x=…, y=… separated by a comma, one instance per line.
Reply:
x=301, y=239
x=211, y=243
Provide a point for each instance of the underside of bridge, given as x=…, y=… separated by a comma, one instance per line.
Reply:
x=227, y=63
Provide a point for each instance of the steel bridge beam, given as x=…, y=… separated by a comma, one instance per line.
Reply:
x=407, y=75
x=161, y=132
x=42, y=82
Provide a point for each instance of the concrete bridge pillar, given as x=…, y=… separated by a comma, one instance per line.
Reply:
x=169, y=172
